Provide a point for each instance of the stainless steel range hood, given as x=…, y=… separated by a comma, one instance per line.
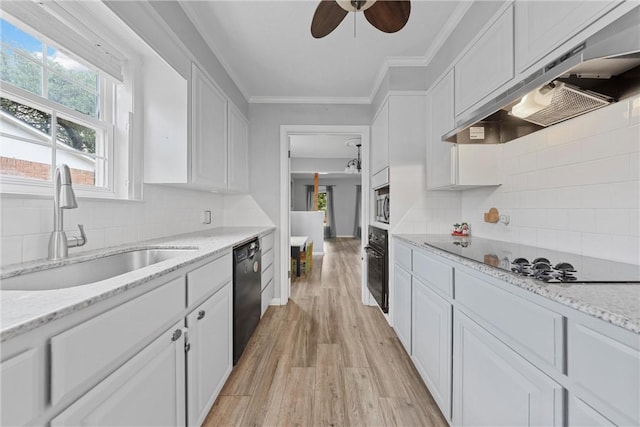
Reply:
x=603, y=69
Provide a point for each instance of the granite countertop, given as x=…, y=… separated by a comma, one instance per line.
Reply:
x=22, y=311
x=616, y=303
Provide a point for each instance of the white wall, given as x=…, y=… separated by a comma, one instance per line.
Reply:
x=573, y=187
x=344, y=192
x=310, y=224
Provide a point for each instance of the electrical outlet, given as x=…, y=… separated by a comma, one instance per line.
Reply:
x=206, y=217
x=505, y=219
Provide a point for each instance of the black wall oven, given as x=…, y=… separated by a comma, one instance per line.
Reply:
x=377, y=267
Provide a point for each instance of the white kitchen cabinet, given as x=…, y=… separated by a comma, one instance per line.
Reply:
x=193, y=138
x=431, y=339
x=147, y=390
x=493, y=385
x=22, y=379
x=209, y=132
x=238, y=151
x=583, y=415
x=209, y=355
x=380, y=140
x=267, y=283
x=487, y=65
x=456, y=166
x=545, y=25
x=401, y=303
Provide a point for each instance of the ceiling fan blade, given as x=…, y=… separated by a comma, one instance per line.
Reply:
x=389, y=16
x=327, y=17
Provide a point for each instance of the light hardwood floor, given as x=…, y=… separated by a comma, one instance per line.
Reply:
x=325, y=359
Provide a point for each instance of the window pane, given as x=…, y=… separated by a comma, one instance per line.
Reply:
x=19, y=71
x=72, y=95
x=20, y=41
x=71, y=69
x=23, y=159
x=30, y=123
x=76, y=136
x=83, y=167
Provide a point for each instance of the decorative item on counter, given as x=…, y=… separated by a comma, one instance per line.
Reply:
x=461, y=229
x=491, y=259
x=493, y=216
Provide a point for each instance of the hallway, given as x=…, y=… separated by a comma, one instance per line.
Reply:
x=325, y=359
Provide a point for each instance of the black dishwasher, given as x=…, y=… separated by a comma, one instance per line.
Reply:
x=246, y=294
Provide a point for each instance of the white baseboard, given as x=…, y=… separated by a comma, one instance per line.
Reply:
x=275, y=301
x=318, y=253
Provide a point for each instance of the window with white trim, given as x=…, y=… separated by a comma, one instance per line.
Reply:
x=54, y=108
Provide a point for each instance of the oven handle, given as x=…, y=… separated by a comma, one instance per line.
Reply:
x=377, y=254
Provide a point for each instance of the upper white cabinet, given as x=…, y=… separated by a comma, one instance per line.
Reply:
x=487, y=65
x=192, y=137
x=545, y=25
x=456, y=166
x=441, y=120
x=238, y=151
x=380, y=140
x=209, y=132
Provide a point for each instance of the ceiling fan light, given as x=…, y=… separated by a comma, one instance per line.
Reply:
x=349, y=6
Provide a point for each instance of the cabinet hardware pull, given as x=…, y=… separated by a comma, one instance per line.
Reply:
x=187, y=346
x=201, y=314
x=176, y=334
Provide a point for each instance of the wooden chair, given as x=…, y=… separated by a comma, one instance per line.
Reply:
x=306, y=258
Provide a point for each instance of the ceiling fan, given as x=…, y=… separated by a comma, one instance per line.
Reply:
x=388, y=16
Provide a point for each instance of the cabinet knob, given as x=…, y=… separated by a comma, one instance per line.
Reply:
x=201, y=314
x=176, y=335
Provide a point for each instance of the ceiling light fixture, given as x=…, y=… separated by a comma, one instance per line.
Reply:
x=354, y=165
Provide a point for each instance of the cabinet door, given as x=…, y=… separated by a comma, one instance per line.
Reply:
x=487, y=65
x=148, y=390
x=380, y=140
x=22, y=380
x=545, y=25
x=495, y=386
x=440, y=121
x=432, y=343
x=238, y=151
x=210, y=349
x=402, y=306
x=583, y=415
x=209, y=133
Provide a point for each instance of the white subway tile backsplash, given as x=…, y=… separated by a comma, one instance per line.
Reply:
x=575, y=186
x=35, y=246
x=20, y=220
x=11, y=250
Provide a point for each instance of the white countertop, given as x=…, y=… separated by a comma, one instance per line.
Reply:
x=22, y=311
x=616, y=303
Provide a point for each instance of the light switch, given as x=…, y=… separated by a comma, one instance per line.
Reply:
x=206, y=217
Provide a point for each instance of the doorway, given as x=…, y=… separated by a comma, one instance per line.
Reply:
x=308, y=132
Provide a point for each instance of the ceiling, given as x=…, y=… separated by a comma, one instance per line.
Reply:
x=322, y=146
x=267, y=48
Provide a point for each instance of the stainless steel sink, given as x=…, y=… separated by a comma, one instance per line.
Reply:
x=91, y=271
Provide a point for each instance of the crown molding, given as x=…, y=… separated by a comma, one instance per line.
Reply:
x=201, y=28
x=309, y=100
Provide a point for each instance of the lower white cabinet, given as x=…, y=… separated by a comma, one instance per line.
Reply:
x=494, y=386
x=583, y=415
x=431, y=339
x=21, y=381
x=402, y=306
x=209, y=352
x=148, y=390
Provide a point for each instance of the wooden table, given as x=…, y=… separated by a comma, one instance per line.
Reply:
x=298, y=246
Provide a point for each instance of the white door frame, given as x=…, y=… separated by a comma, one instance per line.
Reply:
x=285, y=190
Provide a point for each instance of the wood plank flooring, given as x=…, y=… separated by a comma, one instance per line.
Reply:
x=325, y=359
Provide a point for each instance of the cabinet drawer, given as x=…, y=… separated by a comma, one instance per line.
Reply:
x=607, y=368
x=523, y=323
x=267, y=259
x=267, y=276
x=266, y=242
x=208, y=278
x=88, y=351
x=433, y=273
x=402, y=255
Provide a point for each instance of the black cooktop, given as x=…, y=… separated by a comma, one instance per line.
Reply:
x=541, y=264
